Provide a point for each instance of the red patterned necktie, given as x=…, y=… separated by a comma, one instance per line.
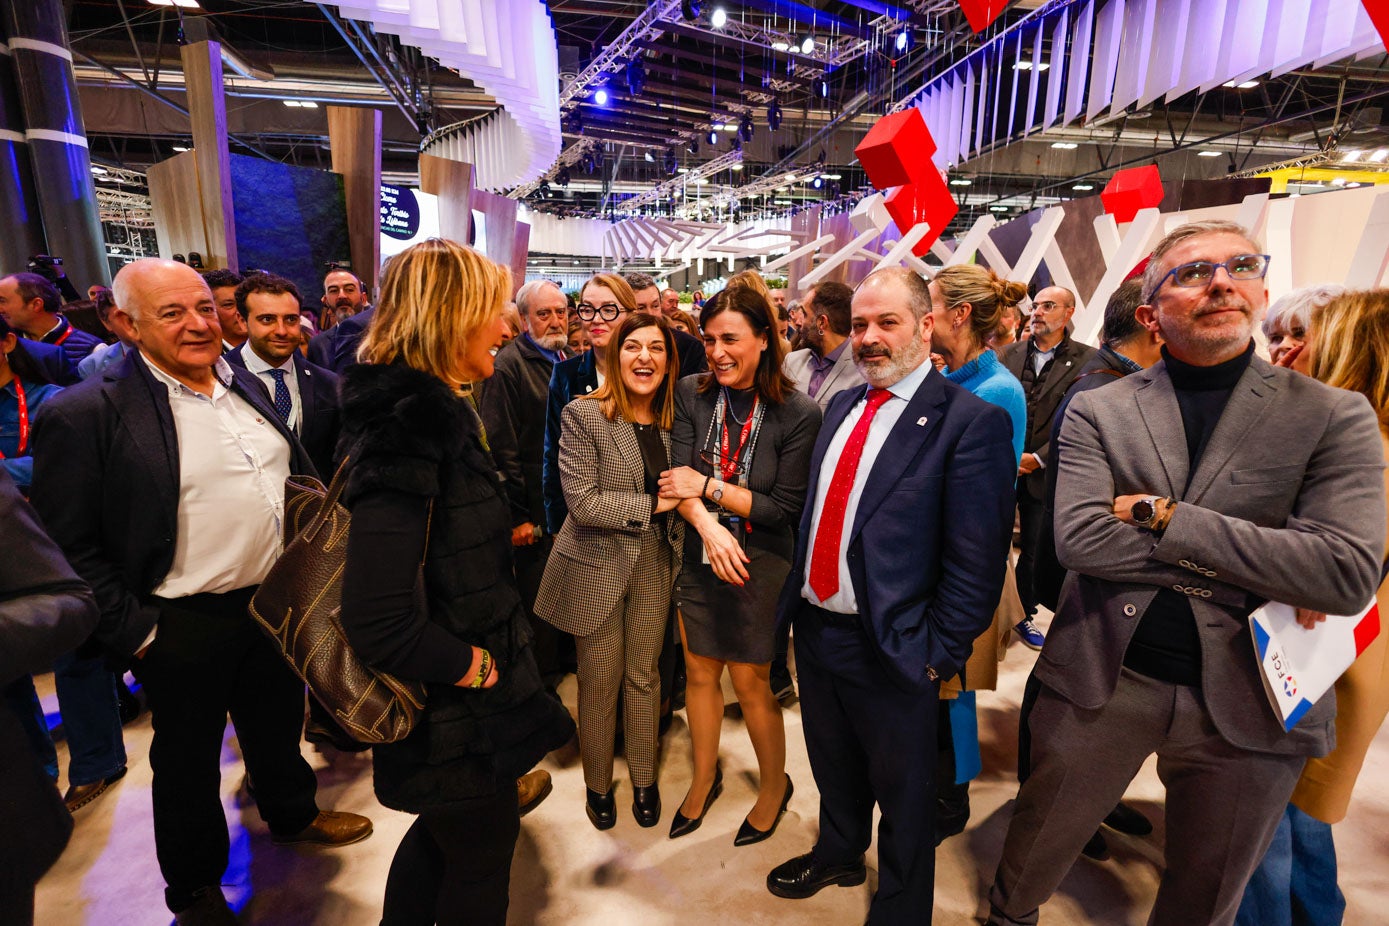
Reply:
x=824, y=559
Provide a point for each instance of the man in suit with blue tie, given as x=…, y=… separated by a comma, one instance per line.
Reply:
x=304, y=395
x=899, y=565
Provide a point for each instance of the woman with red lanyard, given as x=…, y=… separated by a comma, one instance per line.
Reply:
x=745, y=436
x=24, y=387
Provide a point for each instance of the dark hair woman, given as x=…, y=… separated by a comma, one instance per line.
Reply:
x=422, y=487
x=742, y=444
x=609, y=577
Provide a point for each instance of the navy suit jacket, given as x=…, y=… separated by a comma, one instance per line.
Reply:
x=347, y=334
x=54, y=361
x=927, y=548
x=106, y=484
x=573, y=377
x=319, y=419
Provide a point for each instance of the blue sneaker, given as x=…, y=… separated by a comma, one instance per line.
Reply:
x=1031, y=636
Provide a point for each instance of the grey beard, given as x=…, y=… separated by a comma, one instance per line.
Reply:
x=552, y=342
x=898, y=366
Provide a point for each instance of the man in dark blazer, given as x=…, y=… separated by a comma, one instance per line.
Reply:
x=1046, y=364
x=513, y=406
x=45, y=611
x=899, y=565
x=1188, y=494
x=31, y=303
x=163, y=482
x=54, y=361
x=689, y=348
x=303, y=394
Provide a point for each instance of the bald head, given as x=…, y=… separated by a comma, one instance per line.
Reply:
x=137, y=284
x=908, y=282
x=166, y=310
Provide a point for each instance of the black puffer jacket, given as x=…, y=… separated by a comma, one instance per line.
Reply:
x=406, y=431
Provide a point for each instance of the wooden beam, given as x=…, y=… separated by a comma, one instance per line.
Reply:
x=354, y=138
x=452, y=182
x=207, y=106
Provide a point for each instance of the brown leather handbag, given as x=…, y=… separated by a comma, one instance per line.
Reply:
x=299, y=605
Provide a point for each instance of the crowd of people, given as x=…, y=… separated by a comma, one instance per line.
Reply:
x=650, y=497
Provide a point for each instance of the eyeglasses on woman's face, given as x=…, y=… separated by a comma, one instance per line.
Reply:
x=608, y=311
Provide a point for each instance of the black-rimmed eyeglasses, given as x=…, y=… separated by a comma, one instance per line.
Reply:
x=1201, y=272
x=608, y=311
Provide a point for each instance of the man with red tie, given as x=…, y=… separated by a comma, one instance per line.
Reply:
x=899, y=565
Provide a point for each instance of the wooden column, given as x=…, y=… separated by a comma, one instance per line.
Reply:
x=354, y=138
x=202, y=76
x=452, y=182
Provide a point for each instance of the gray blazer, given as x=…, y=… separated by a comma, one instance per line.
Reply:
x=844, y=375
x=604, y=483
x=1287, y=504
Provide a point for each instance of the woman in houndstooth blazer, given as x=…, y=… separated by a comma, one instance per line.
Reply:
x=609, y=578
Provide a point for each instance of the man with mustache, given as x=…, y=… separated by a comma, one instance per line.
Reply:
x=346, y=314
x=1188, y=494
x=898, y=567
x=1046, y=365
x=163, y=482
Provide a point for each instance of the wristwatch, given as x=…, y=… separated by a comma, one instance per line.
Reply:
x=1144, y=511
x=717, y=494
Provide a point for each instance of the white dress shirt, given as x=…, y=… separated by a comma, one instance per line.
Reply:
x=844, y=601
x=256, y=365
x=232, y=469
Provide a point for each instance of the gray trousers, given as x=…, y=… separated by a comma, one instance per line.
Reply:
x=1223, y=803
x=622, y=654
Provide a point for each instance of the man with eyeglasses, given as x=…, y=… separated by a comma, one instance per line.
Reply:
x=1187, y=495
x=513, y=404
x=1046, y=364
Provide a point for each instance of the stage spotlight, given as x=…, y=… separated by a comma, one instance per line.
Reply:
x=713, y=136
x=817, y=182
x=562, y=178
x=904, y=39
x=745, y=127
x=693, y=146
x=544, y=189
x=807, y=44
x=588, y=162
x=773, y=116
x=600, y=96
x=719, y=18
x=689, y=9
x=824, y=87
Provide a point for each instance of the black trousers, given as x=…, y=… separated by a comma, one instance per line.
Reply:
x=553, y=648
x=454, y=864
x=209, y=660
x=1030, y=513
x=869, y=742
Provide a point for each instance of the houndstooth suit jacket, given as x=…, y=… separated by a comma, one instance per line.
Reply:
x=604, y=484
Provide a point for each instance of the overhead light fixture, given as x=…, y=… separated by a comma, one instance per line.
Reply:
x=600, y=96
x=781, y=46
x=719, y=19
x=649, y=157
x=1065, y=145
x=1379, y=155
x=683, y=170
x=831, y=176
x=998, y=208
x=1241, y=85
x=1339, y=181
x=735, y=167
x=700, y=181
x=180, y=147
x=904, y=38
x=1023, y=65
x=960, y=181
x=98, y=170
x=1208, y=154
x=1083, y=186
x=824, y=87
x=790, y=177
x=807, y=45
x=301, y=104
x=713, y=137
x=693, y=146
x=719, y=125
x=817, y=182
x=1353, y=155
x=181, y=4
x=781, y=202
x=727, y=127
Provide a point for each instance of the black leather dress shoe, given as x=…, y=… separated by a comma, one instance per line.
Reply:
x=602, y=809
x=805, y=875
x=749, y=834
x=683, y=825
x=1125, y=819
x=646, y=805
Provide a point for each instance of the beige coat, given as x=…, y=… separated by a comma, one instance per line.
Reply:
x=1362, y=701
x=981, y=669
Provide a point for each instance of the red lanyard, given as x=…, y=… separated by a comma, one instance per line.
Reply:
x=23, y=419
x=64, y=336
x=728, y=462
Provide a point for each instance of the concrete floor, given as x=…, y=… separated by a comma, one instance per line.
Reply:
x=566, y=872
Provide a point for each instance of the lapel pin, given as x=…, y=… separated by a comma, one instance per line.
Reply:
x=921, y=422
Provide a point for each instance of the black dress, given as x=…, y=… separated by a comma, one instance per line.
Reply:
x=725, y=621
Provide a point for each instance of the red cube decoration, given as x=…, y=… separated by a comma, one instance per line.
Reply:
x=981, y=13
x=1131, y=190
x=1379, y=15
x=897, y=153
x=897, y=149
x=928, y=200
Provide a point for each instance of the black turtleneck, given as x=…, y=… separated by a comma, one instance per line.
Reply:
x=1165, y=645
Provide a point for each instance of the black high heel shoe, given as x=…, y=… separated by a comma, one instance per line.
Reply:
x=749, y=834
x=683, y=825
x=601, y=808
x=646, y=805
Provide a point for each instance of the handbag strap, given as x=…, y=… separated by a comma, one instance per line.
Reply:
x=330, y=499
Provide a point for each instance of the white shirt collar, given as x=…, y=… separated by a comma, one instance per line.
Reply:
x=256, y=364
x=906, y=387
x=221, y=370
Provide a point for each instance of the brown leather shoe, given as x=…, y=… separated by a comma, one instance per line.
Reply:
x=330, y=828
x=82, y=795
x=532, y=788
x=209, y=908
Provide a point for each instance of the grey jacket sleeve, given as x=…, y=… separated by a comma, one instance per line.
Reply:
x=45, y=609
